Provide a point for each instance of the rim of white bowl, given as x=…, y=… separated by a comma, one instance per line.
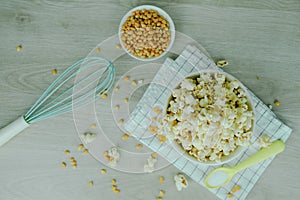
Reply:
x=161, y=12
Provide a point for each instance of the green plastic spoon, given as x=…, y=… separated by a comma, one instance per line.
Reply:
x=222, y=175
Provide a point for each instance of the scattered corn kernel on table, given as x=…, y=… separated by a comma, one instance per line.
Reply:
x=40, y=39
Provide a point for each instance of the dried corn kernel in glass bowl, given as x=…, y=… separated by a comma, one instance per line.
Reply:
x=210, y=117
x=146, y=32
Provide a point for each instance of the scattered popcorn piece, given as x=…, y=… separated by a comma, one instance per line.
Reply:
x=85, y=151
x=139, y=146
x=229, y=195
x=270, y=106
x=180, y=182
x=125, y=100
x=162, y=138
x=264, y=141
x=19, y=48
x=93, y=126
x=125, y=136
x=161, y=179
x=117, y=107
x=88, y=137
x=121, y=121
x=54, y=72
x=277, y=103
x=161, y=193
x=150, y=166
x=98, y=50
x=222, y=63
x=114, y=187
x=126, y=78
x=112, y=156
x=119, y=46
x=153, y=129
x=157, y=110
x=103, y=171
x=63, y=165
x=113, y=181
x=117, y=88
x=91, y=183
x=141, y=81
x=80, y=146
x=134, y=83
x=158, y=198
x=67, y=152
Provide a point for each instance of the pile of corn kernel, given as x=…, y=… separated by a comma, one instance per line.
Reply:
x=146, y=33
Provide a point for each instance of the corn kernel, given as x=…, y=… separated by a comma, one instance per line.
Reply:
x=154, y=155
x=277, y=103
x=117, y=107
x=222, y=63
x=133, y=83
x=139, y=146
x=153, y=129
x=161, y=179
x=161, y=193
x=74, y=166
x=103, y=171
x=233, y=190
x=162, y=138
x=125, y=136
x=72, y=159
x=157, y=110
x=98, y=50
x=114, y=187
x=63, y=165
x=19, y=48
x=54, y=72
x=93, y=126
x=85, y=151
x=113, y=181
x=125, y=100
x=158, y=198
x=80, y=146
x=67, y=152
x=229, y=195
x=121, y=121
x=91, y=183
x=238, y=187
x=117, y=191
x=126, y=78
x=104, y=96
x=119, y=46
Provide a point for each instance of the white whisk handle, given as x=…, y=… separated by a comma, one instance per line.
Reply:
x=12, y=130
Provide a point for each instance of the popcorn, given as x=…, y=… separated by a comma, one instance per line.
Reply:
x=88, y=137
x=150, y=166
x=264, y=141
x=112, y=156
x=180, y=182
x=209, y=116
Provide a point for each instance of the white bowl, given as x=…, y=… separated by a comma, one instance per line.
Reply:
x=160, y=12
x=239, y=149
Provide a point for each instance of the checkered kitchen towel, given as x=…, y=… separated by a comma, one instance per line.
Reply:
x=158, y=93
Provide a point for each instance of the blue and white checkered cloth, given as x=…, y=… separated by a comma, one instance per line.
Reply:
x=190, y=61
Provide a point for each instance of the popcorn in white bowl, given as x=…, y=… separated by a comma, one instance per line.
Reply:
x=210, y=117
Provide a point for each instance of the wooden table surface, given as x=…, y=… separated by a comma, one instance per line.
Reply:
x=260, y=40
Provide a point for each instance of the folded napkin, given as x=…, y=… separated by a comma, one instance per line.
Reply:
x=170, y=74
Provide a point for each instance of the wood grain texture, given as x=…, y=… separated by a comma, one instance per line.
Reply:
x=260, y=39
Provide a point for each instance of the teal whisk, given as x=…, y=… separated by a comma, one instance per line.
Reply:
x=74, y=88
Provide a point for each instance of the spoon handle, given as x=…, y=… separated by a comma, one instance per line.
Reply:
x=275, y=148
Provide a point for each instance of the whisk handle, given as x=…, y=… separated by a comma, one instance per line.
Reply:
x=12, y=130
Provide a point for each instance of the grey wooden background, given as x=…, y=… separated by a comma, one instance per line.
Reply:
x=260, y=39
